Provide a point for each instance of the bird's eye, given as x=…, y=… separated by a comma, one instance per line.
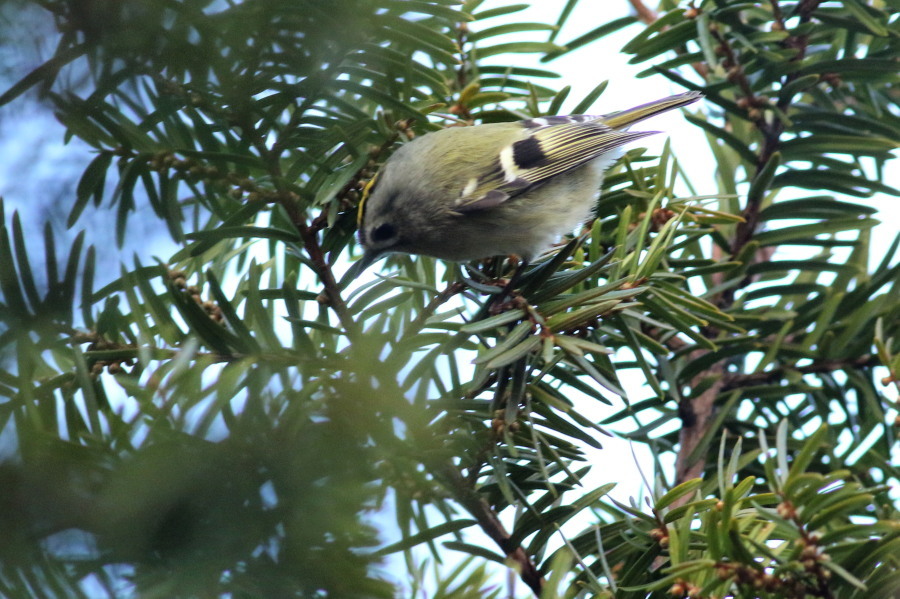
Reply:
x=383, y=232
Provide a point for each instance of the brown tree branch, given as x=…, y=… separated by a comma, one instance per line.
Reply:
x=332, y=291
x=440, y=299
x=646, y=15
x=697, y=413
x=771, y=131
x=309, y=231
x=736, y=381
x=490, y=524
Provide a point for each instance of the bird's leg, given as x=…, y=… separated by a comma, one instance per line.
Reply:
x=495, y=306
x=510, y=287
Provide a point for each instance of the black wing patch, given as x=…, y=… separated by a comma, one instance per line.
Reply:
x=550, y=148
x=528, y=153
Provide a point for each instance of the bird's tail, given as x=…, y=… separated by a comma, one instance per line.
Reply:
x=626, y=118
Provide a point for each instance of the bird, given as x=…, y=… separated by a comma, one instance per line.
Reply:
x=472, y=192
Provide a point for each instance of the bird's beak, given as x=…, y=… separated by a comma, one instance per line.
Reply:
x=358, y=267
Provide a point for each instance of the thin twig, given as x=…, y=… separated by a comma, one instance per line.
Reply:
x=440, y=299
x=771, y=131
x=736, y=381
x=697, y=413
x=290, y=202
x=490, y=524
x=646, y=15
x=332, y=291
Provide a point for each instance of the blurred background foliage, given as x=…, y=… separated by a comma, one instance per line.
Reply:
x=235, y=419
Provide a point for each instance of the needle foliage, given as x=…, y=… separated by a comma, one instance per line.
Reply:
x=234, y=419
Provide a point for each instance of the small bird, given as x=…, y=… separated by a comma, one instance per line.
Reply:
x=464, y=193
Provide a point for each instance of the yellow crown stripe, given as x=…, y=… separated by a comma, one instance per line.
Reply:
x=367, y=191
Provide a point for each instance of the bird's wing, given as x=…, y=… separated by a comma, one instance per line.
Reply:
x=551, y=146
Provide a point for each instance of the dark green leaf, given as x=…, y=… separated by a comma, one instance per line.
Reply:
x=425, y=536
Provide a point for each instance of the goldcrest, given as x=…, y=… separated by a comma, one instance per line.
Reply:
x=464, y=193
